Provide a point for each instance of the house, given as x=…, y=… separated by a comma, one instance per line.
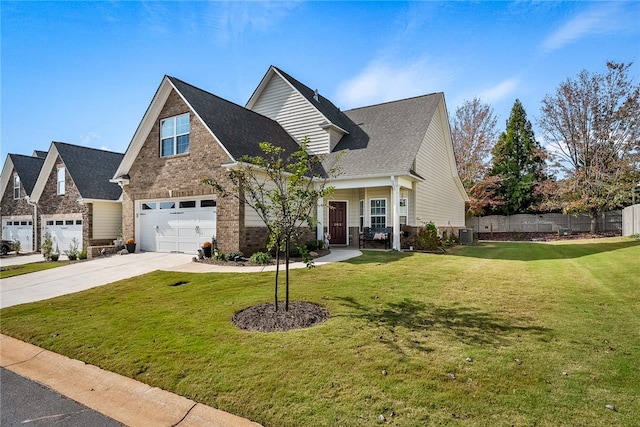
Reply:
x=396, y=159
x=74, y=198
x=19, y=176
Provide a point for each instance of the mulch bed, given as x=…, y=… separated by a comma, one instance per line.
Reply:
x=264, y=318
x=242, y=262
x=527, y=237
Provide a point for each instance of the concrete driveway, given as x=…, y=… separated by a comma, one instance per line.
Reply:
x=83, y=275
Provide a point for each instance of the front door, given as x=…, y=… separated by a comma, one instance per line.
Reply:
x=338, y=223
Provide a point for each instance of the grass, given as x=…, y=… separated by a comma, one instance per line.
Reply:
x=16, y=270
x=568, y=312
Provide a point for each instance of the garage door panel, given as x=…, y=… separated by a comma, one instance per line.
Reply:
x=19, y=230
x=176, y=230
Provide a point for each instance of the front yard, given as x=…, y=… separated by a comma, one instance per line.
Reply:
x=498, y=334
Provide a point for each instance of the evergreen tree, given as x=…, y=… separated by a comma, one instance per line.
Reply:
x=519, y=163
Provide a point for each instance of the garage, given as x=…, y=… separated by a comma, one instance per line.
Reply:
x=63, y=231
x=19, y=229
x=176, y=225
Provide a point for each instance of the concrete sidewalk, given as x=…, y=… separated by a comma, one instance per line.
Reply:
x=123, y=399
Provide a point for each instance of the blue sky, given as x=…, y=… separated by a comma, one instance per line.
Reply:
x=85, y=72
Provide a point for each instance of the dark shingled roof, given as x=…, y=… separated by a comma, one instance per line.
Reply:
x=91, y=169
x=28, y=169
x=386, y=137
x=240, y=130
x=40, y=154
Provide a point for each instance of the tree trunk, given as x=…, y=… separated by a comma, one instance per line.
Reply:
x=594, y=222
x=277, y=271
x=286, y=303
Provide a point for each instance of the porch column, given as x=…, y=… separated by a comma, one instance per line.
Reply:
x=396, y=213
x=320, y=218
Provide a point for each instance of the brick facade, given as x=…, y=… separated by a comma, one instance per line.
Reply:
x=54, y=205
x=11, y=208
x=154, y=177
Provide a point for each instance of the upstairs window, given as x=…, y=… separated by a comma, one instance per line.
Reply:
x=61, y=176
x=378, y=213
x=16, y=187
x=174, y=135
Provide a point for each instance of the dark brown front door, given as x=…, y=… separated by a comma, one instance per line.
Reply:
x=338, y=223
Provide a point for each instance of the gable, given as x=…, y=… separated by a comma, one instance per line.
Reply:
x=27, y=168
x=279, y=101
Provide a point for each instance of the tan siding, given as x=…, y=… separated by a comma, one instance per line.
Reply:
x=438, y=198
x=281, y=103
x=107, y=220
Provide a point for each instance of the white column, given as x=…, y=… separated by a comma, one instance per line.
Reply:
x=396, y=213
x=320, y=217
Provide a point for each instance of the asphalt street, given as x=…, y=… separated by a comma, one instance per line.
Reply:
x=25, y=402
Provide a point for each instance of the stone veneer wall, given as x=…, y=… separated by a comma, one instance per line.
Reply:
x=155, y=177
x=9, y=207
x=52, y=204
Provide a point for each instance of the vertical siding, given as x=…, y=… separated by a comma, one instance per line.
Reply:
x=283, y=104
x=438, y=198
x=107, y=220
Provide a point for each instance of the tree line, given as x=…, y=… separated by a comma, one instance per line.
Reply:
x=589, y=164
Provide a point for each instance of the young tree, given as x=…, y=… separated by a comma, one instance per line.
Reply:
x=284, y=192
x=519, y=162
x=473, y=132
x=593, y=125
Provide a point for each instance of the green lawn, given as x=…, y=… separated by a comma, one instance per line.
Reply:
x=18, y=269
x=552, y=330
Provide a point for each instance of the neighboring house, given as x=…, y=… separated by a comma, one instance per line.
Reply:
x=397, y=164
x=74, y=197
x=19, y=176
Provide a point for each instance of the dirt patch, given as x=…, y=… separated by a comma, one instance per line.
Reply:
x=264, y=318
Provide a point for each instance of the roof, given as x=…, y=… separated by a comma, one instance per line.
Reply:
x=239, y=129
x=385, y=138
x=27, y=168
x=89, y=168
x=39, y=153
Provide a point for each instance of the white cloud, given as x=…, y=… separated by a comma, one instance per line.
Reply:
x=501, y=90
x=595, y=21
x=383, y=81
x=88, y=138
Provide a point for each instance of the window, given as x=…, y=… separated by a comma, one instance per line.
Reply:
x=378, y=213
x=16, y=187
x=174, y=135
x=361, y=215
x=403, y=212
x=188, y=204
x=68, y=222
x=148, y=206
x=167, y=205
x=207, y=203
x=61, y=173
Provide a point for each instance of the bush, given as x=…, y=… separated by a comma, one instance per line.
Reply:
x=83, y=254
x=427, y=238
x=47, y=247
x=72, y=252
x=260, y=258
x=54, y=257
x=16, y=246
x=219, y=256
x=233, y=256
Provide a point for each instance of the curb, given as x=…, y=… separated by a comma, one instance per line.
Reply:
x=123, y=399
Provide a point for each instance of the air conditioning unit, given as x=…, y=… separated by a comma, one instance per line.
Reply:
x=564, y=232
x=466, y=236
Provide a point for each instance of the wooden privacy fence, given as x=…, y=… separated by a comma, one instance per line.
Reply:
x=545, y=223
x=631, y=220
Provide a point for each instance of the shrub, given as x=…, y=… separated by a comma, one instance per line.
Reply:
x=72, y=252
x=47, y=246
x=427, y=238
x=83, y=254
x=219, y=256
x=54, y=256
x=233, y=256
x=260, y=258
x=16, y=246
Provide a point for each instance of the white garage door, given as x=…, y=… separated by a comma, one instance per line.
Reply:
x=176, y=225
x=63, y=231
x=21, y=230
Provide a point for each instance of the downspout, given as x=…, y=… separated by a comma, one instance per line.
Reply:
x=396, y=213
x=35, y=222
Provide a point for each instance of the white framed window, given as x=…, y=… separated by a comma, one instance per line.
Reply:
x=378, y=213
x=361, y=215
x=403, y=212
x=174, y=135
x=61, y=175
x=16, y=187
